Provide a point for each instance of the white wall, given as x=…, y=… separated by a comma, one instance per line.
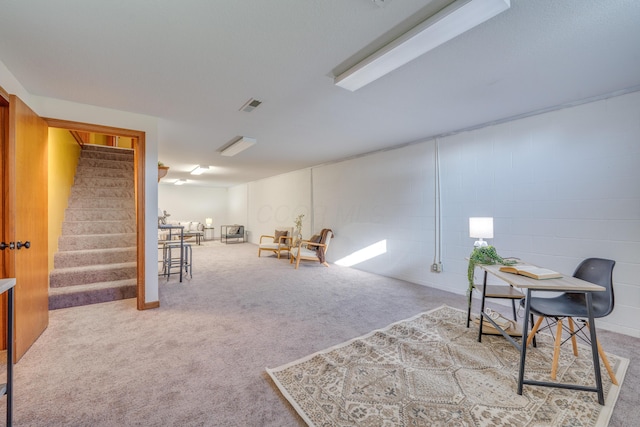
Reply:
x=237, y=205
x=276, y=202
x=194, y=203
x=385, y=198
x=561, y=186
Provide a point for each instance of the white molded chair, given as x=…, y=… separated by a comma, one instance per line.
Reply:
x=281, y=243
x=306, y=250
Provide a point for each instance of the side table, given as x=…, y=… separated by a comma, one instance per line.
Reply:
x=208, y=233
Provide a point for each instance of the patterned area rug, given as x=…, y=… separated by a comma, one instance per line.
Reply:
x=430, y=370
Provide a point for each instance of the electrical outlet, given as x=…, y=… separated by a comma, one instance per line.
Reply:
x=436, y=267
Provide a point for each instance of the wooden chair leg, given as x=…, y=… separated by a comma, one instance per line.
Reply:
x=574, y=344
x=605, y=361
x=556, y=350
x=534, y=330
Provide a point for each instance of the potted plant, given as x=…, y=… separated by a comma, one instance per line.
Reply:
x=484, y=255
x=298, y=232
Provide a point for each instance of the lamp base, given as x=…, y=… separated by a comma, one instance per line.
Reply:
x=480, y=244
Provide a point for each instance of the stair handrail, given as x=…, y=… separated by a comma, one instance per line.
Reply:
x=80, y=137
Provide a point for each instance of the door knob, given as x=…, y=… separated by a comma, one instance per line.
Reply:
x=26, y=245
x=4, y=246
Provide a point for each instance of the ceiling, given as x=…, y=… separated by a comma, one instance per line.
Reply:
x=194, y=63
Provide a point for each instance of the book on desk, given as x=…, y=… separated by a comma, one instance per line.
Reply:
x=531, y=271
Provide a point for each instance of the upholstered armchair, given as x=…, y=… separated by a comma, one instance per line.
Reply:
x=279, y=242
x=312, y=250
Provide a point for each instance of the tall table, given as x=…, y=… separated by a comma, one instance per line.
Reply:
x=564, y=284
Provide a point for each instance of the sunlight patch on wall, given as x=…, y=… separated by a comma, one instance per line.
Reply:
x=364, y=254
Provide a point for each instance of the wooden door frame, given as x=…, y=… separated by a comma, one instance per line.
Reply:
x=138, y=138
x=4, y=128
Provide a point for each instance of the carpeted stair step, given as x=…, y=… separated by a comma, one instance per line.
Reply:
x=85, y=170
x=106, y=164
x=74, y=276
x=101, y=202
x=92, y=214
x=79, y=193
x=96, y=241
x=68, y=259
x=117, y=156
x=98, y=227
x=102, y=182
x=93, y=293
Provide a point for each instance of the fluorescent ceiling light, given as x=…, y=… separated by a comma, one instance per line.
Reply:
x=199, y=170
x=180, y=182
x=450, y=22
x=238, y=146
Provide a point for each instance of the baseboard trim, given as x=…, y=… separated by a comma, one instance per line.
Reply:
x=150, y=305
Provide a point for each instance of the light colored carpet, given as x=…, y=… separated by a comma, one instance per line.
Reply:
x=430, y=370
x=199, y=359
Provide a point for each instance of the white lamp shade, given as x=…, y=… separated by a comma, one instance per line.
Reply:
x=481, y=227
x=208, y=221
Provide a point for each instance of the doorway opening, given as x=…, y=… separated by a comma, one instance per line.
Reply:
x=83, y=132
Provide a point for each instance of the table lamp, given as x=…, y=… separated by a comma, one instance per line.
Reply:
x=208, y=221
x=481, y=228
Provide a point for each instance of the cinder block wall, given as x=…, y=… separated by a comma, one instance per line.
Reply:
x=561, y=186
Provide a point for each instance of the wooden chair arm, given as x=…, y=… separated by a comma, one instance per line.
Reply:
x=310, y=243
x=264, y=235
x=284, y=238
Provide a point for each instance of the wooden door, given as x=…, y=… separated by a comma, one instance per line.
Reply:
x=24, y=219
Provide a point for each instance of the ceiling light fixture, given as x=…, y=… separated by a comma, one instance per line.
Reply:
x=180, y=182
x=450, y=22
x=199, y=170
x=238, y=146
x=381, y=3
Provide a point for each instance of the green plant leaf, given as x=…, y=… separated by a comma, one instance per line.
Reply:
x=484, y=255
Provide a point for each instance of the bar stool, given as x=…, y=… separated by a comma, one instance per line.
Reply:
x=171, y=259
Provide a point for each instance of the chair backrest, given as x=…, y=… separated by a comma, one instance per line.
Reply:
x=600, y=272
x=327, y=241
x=286, y=228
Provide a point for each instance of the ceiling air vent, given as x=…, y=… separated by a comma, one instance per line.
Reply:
x=250, y=105
x=381, y=3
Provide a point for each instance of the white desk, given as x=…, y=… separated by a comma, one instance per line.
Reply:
x=564, y=284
